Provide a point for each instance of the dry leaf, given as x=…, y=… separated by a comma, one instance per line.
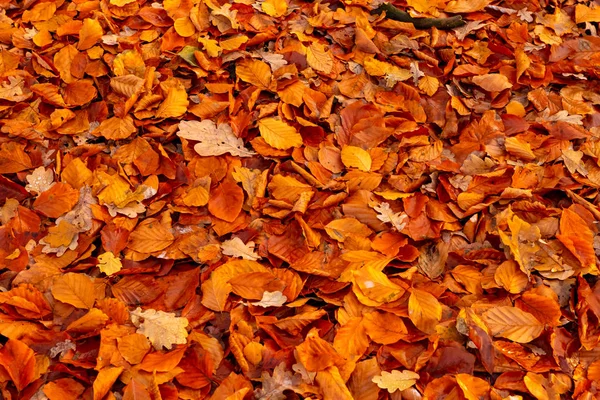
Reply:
x=271, y=299
x=161, y=328
x=235, y=247
x=396, y=380
x=213, y=140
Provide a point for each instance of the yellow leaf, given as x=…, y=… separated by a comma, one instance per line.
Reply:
x=278, y=134
x=127, y=85
x=374, y=288
x=473, y=388
x=120, y=3
x=93, y=320
x=211, y=46
x=234, y=42
x=63, y=60
x=492, y=82
x=108, y=263
x=115, y=128
x=287, y=188
x=424, y=310
x=129, y=62
x=584, y=13
x=515, y=108
x=184, y=27
x=356, y=157
x=90, y=32
x=255, y=72
x=513, y=323
x=510, y=277
x=466, y=6
x=275, y=8
x=161, y=328
x=332, y=384
x=104, y=381
x=76, y=174
x=74, y=289
x=396, y=380
x=318, y=58
x=341, y=229
x=176, y=101
x=429, y=84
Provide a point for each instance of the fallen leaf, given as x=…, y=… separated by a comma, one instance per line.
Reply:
x=161, y=328
x=396, y=380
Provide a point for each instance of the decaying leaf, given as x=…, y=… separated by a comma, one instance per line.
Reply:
x=213, y=139
x=271, y=299
x=281, y=199
x=161, y=328
x=396, y=380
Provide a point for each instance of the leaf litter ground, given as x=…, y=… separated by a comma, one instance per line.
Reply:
x=278, y=199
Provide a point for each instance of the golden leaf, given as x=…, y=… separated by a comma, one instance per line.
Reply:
x=90, y=33
x=356, y=157
x=275, y=8
x=513, y=323
x=319, y=58
x=424, y=310
x=150, y=236
x=278, y=134
x=74, y=289
x=255, y=72
x=108, y=263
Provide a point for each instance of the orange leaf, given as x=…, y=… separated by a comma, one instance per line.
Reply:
x=578, y=238
x=19, y=361
x=150, y=236
x=74, y=289
x=226, y=201
x=104, y=381
x=63, y=389
x=57, y=200
x=316, y=354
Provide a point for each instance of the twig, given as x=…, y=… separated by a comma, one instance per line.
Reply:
x=420, y=23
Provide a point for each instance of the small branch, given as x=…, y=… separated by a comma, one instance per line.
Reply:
x=420, y=23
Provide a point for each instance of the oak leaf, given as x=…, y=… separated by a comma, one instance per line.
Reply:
x=396, y=380
x=109, y=263
x=213, y=139
x=271, y=299
x=161, y=328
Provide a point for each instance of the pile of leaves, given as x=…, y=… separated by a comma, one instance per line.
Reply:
x=286, y=199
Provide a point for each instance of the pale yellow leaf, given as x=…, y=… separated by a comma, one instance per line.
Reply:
x=161, y=328
x=214, y=140
x=396, y=380
x=271, y=299
x=235, y=247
